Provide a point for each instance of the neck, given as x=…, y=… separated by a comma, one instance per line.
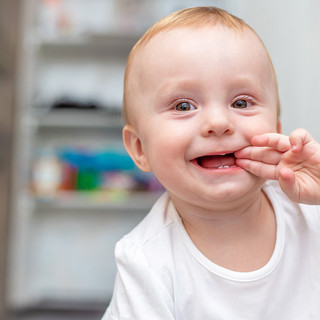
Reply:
x=233, y=234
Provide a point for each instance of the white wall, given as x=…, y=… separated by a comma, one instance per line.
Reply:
x=290, y=30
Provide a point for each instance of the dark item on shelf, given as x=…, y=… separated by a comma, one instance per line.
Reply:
x=66, y=103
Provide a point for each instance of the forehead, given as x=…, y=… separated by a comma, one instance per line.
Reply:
x=215, y=46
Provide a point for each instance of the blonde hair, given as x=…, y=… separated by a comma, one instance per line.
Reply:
x=196, y=17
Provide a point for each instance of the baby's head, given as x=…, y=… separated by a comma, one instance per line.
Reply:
x=198, y=86
x=190, y=18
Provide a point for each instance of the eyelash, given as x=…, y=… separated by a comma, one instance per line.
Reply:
x=181, y=101
x=245, y=98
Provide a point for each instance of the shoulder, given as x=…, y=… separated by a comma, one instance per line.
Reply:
x=148, y=250
x=157, y=221
x=153, y=232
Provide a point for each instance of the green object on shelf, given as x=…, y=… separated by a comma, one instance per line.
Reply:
x=87, y=180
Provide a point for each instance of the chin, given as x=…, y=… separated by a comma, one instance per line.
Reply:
x=236, y=191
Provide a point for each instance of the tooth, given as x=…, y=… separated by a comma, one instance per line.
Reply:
x=221, y=167
x=226, y=167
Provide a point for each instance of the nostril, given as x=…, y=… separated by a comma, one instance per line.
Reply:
x=219, y=132
x=218, y=124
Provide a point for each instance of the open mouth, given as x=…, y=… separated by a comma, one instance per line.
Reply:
x=221, y=161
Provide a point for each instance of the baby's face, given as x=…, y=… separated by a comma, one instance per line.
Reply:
x=200, y=95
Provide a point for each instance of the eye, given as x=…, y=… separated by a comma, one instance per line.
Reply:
x=241, y=104
x=185, y=106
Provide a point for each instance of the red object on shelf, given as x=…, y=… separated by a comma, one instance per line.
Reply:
x=69, y=177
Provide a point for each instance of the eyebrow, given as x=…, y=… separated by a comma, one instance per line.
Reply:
x=176, y=84
x=246, y=82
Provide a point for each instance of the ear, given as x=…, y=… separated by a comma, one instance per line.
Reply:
x=279, y=127
x=134, y=147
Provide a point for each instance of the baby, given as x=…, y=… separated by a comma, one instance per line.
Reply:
x=236, y=235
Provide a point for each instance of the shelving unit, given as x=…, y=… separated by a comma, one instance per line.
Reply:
x=62, y=244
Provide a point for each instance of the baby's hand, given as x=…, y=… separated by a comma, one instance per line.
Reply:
x=294, y=161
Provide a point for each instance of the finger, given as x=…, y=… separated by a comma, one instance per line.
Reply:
x=262, y=154
x=287, y=181
x=298, y=138
x=266, y=171
x=276, y=141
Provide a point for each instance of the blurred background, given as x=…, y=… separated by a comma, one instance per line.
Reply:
x=68, y=189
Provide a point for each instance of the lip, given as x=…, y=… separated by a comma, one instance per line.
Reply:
x=220, y=153
x=218, y=170
x=222, y=169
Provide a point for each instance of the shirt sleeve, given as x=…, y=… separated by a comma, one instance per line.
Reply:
x=138, y=294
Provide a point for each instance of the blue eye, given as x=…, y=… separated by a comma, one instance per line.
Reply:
x=185, y=106
x=241, y=104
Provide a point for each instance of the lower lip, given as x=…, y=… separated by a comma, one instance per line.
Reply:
x=218, y=170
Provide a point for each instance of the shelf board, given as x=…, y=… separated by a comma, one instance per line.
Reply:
x=79, y=119
x=136, y=201
x=96, y=41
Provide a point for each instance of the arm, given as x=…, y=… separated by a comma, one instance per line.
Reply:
x=294, y=161
x=138, y=292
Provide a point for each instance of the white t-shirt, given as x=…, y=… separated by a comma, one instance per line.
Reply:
x=162, y=275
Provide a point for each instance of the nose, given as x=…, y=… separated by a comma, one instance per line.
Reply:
x=217, y=122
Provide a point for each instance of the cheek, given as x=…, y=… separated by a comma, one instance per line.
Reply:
x=167, y=147
x=163, y=151
x=259, y=126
